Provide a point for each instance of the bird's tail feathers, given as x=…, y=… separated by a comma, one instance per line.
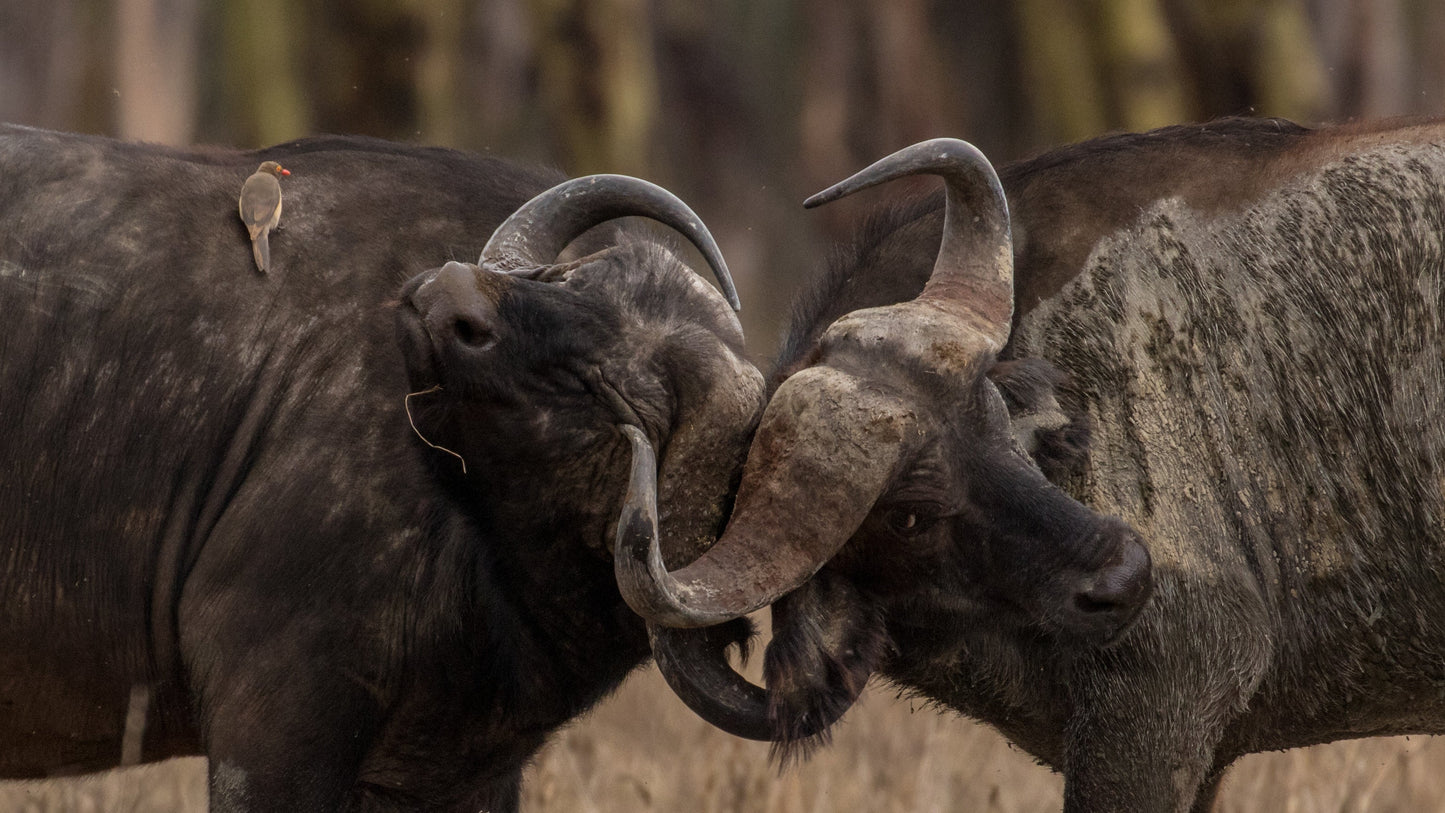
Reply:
x=261, y=248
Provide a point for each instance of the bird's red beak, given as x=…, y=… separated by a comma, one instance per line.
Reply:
x=285, y=172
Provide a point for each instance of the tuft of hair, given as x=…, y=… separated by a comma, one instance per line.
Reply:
x=739, y=634
x=827, y=642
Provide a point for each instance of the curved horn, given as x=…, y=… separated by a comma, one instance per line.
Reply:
x=694, y=664
x=827, y=641
x=827, y=444
x=974, y=268
x=536, y=233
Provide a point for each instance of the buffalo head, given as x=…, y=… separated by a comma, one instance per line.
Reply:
x=886, y=483
x=523, y=367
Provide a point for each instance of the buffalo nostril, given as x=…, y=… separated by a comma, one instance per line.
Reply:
x=1087, y=602
x=1121, y=585
x=458, y=307
x=472, y=333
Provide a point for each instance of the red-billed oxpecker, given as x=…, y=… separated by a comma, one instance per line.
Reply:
x=260, y=208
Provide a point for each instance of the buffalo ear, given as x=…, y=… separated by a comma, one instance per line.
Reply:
x=827, y=641
x=1055, y=436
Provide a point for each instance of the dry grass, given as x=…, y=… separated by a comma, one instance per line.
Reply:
x=642, y=751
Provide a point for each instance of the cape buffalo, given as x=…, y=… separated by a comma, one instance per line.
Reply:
x=1244, y=376
x=356, y=565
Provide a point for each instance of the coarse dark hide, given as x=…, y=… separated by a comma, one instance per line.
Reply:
x=347, y=535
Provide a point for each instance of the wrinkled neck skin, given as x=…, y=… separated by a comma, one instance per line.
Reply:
x=543, y=632
x=532, y=472
x=502, y=591
x=970, y=663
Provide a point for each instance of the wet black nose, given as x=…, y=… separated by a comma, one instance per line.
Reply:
x=1110, y=596
x=458, y=308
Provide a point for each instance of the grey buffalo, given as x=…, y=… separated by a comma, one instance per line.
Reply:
x=1228, y=366
x=344, y=529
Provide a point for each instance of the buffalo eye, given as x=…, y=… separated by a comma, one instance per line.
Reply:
x=909, y=520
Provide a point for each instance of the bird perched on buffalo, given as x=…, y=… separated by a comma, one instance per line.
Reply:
x=260, y=208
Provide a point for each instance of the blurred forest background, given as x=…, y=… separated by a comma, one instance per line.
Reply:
x=742, y=108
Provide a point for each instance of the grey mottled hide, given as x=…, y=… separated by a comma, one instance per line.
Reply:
x=1289, y=354
x=1265, y=388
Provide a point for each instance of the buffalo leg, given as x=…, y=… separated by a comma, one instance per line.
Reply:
x=279, y=749
x=286, y=711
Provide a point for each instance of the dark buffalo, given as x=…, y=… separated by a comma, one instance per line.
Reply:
x=1246, y=368
x=218, y=511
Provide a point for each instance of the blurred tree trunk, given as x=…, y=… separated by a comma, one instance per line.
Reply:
x=982, y=47
x=1426, y=21
x=498, y=81
x=913, y=95
x=726, y=141
x=1250, y=57
x=1060, y=68
x=155, y=69
x=437, y=72
x=596, y=81
x=48, y=53
x=264, y=88
x=1139, y=65
x=1365, y=45
x=1099, y=65
x=389, y=68
x=831, y=76
x=874, y=81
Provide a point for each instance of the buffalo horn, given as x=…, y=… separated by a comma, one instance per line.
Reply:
x=797, y=460
x=642, y=576
x=536, y=233
x=694, y=664
x=828, y=442
x=974, y=269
